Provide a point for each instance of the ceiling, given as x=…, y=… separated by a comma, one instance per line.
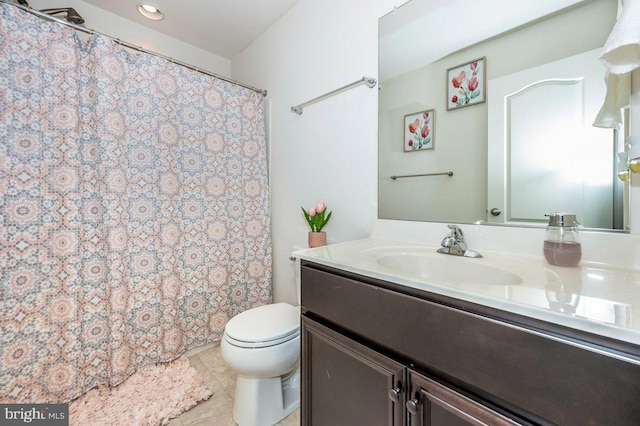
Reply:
x=222, y=27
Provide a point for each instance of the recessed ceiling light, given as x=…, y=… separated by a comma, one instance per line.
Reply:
x=151, y=12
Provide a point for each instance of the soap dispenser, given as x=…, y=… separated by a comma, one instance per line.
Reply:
x=562, y=245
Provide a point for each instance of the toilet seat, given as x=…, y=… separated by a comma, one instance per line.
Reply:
x=264, y=326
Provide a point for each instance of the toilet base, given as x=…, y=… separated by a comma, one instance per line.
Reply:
x=265, y=401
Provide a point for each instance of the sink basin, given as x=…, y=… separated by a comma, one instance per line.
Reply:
x=450, y=269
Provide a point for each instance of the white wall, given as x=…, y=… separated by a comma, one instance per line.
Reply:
x=110, y=24
x=330, y=151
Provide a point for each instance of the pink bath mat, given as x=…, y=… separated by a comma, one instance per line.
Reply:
x=151, y=396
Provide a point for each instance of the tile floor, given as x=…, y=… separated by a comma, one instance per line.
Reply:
x=217, y=410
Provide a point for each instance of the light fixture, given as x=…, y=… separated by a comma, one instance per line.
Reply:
x=149, y=11
x=633, y=146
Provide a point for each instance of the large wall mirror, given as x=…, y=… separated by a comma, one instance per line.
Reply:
x=522, y=148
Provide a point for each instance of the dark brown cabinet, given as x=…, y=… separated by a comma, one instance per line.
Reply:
x=347, y=383
x=433, y=404
x=377, y=353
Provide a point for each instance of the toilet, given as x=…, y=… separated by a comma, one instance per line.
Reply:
x=262, y=345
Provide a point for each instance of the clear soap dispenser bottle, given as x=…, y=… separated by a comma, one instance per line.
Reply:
x=562, y=245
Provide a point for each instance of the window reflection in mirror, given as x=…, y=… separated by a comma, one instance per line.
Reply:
x=463, y=135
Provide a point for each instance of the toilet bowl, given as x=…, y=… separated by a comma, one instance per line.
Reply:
x=262, y=345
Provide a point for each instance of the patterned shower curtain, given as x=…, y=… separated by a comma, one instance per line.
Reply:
x=134, y=216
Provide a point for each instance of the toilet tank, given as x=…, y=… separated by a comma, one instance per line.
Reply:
x=296, y=267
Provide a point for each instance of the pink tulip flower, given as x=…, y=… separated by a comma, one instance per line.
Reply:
x=459, y=79
x=413, y=126
x=473, y=84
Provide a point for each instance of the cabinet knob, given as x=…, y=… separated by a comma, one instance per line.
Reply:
x=394, y=394
x=412, y=406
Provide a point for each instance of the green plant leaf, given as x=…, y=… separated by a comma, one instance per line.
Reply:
x=309, y=218
x=324, y=222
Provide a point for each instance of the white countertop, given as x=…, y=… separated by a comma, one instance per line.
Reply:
x=590, y=297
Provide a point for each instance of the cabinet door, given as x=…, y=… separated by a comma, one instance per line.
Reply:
x=346, y=383
x=433, y=404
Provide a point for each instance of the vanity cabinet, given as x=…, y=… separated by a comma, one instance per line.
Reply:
x=375, y=352
x=347, y=383
x=434, y=404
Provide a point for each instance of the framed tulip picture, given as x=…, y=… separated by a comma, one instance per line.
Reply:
x=419, y=130
x=467, y=84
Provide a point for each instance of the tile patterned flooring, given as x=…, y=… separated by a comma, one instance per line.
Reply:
x=217, y=410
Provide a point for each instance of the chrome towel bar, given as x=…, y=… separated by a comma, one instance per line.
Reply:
x=426, y=174
x=369, y=81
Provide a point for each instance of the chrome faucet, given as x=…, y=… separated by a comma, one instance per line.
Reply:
x=455, y=244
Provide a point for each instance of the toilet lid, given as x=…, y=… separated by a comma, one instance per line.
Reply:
x=264, y=326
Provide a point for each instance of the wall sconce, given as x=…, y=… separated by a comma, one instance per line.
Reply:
x=634, y=153
x=623, y=166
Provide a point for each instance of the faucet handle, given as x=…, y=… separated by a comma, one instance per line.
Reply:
x=456, y=231
x=455, y=244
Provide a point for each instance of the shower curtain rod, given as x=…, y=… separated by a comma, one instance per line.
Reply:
x=130, y=46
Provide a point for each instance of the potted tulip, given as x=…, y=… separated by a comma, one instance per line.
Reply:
x=317, y=218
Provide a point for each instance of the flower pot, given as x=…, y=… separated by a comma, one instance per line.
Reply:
x=317, y=239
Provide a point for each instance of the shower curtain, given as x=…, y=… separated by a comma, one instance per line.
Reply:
x=134, y=215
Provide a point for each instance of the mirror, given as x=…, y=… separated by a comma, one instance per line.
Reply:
x=541, y=62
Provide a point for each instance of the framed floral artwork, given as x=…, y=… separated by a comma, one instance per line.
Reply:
x=419, y=130
x=467, y=84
